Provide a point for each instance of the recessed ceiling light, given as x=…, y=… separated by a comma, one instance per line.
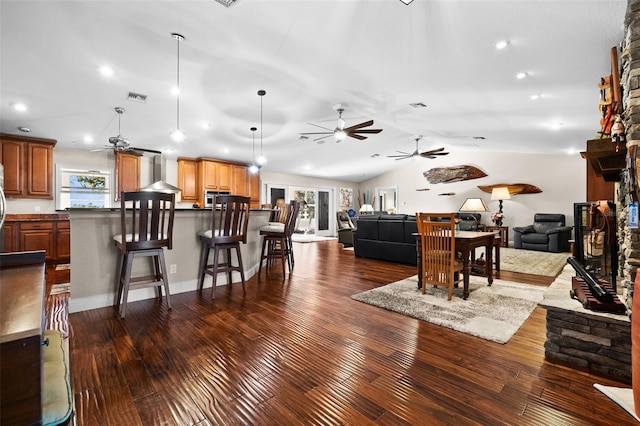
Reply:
x=501, y=44
x=225, y=150
x=535, y=97
x=206, y=125
x=106, y=71
x=175, y=91
x=521, y=75
x=557, y=126
x=18, y=106
x=88, y=139
x=24, y=129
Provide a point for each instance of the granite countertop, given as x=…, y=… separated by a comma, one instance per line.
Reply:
x=36, y=217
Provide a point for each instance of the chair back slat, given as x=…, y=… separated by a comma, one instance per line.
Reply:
x=230, y=219
x=438, y=253
x=146, y=220
x=292, y=216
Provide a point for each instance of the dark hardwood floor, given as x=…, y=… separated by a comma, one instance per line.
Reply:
x=303, y=352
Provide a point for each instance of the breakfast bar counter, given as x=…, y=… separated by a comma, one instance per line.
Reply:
x=95, y=260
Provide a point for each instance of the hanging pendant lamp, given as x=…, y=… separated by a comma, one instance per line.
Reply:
x=254, y=168
x=261, y=158
x=178, y=135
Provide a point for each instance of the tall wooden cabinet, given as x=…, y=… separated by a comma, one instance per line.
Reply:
x=188, y=179
x=127, y=173
x=28, y=166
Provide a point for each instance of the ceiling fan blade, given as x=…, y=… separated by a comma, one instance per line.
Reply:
x=404, y=158
x=324, y=137
x=359, y=126
x=356, y=136
x=143, y=150
x=317, y=133
x=367, y=131
x=322, y=127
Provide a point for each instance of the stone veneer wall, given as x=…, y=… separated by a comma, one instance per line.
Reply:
x=596, y=344
x=629, y=239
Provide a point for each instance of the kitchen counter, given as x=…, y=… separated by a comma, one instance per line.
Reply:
x=95, y=259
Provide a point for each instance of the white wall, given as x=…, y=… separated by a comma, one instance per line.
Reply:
x=562, y=179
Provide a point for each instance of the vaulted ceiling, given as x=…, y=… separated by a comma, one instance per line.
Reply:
x=375, y=58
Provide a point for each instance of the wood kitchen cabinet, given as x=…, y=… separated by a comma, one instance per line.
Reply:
x=240, y=180
x=32, y=232
x=254, y=190
x=188, y=179
x=214, y=175
x=127, y=173
x=28, y=166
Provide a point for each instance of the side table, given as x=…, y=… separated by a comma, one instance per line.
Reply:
x=504, y=233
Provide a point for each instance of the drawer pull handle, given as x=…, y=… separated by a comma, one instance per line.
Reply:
x=45, y=342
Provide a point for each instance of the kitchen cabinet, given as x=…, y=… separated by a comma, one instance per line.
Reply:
x=11, y=237
x=214, y=175
x=240, y=180
x=28, y=166
x=127, y=173
x=32, y=232
x=254, y=190
x=34, y=236
x=188, y=179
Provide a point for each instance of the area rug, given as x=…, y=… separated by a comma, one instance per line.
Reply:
x=309, y=238
x=532, y=262
x=493, y=312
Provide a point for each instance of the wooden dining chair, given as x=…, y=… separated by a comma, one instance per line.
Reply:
x=146, y=224
x=229, y=226
x=276, y=238
x=440, y=265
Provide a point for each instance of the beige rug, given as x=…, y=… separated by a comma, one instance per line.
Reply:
x=532, y=262
x=493, y=313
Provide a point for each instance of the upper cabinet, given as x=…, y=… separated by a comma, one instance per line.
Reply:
x=197, y=175
x=188, y=179
x=28, y=166
x=127, y=173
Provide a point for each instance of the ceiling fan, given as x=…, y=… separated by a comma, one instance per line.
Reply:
x=427, y=154
x=118, y=143
x=340, y=132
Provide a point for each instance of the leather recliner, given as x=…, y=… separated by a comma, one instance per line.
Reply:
x=548, y=233
x=345, y=229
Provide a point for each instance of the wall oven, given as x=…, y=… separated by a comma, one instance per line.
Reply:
x=210, y=197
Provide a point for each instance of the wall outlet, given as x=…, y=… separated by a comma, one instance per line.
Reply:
x=173, y=268
x=37, y=208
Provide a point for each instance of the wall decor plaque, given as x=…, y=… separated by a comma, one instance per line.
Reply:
x=514, y=188
x=453, y=174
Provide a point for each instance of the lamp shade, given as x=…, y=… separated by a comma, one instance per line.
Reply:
x=500, y=193
x=366, y=208
x=474, y=205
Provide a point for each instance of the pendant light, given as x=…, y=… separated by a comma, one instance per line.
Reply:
x=261, y=159
x=254, y=168
x=178, y=135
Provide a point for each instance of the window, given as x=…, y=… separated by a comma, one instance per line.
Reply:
x=84, y=188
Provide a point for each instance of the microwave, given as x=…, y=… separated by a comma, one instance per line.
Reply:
x=210, y=196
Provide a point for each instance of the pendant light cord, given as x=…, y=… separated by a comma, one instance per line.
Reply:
x=178, y=84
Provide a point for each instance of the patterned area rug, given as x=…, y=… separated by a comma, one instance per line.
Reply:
x=309, y=238
x=493, y=313
x=532, y=262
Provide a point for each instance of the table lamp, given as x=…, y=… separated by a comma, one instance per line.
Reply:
x=474, y=205
x=500, y=193
x=366, y=209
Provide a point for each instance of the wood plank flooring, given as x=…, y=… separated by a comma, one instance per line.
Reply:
x=301, y=352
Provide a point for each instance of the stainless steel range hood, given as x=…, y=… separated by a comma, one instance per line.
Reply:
x=159, y=177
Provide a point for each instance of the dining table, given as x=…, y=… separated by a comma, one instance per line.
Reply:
x=465, y=243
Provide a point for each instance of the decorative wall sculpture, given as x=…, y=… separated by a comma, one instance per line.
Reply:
x=514, y=188
x=453, y=174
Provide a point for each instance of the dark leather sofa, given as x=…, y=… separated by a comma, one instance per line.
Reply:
x=391, y=236
x=386, y=237
x=548, y=233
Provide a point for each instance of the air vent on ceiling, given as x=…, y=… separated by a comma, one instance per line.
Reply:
x=226, y=3
x=137, y=97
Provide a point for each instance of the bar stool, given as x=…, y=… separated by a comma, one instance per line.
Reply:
x=146, y=228
x=277, y=243
x=229, y=222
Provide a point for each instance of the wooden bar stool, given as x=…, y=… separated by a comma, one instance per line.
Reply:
x=146, y=229
x=229, y=223
x=276, y=243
